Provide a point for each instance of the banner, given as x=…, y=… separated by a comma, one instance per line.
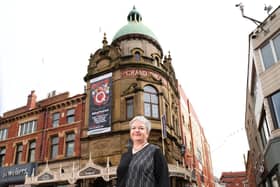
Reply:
x=100, y=104
x=163, y=124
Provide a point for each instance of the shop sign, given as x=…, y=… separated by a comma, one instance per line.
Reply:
x=16, y=174
x=89, y=171
x=45, y=177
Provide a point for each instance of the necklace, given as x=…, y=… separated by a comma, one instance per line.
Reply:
x=139, y=147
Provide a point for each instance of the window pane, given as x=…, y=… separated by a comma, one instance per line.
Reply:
x=267, y=56
x=276, y=108
x=70, y=137
x=155, y=111
x=264, y=131
x=129, y=108
x=54, y=151
x=154, y=98
x=70, y=116
x=25, y=128
x=70, y=112
x=147, y=97
x=276, y=43
x=137, y=56
x=147, y=109
x=70, y=144
x=3, y=134
x=31, y=152
x=55, y=140
x=54, y=147
x=21, y=129
x=18, y=154
x=70, y=149
x=2, y=155
x=150, y=89
x=55, y=119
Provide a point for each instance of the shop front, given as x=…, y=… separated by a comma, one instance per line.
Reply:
x=14, y=176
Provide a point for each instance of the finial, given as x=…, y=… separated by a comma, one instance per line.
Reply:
x=104, y=41
x=169, y=55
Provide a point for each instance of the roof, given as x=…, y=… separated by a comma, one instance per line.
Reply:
x=134, y=26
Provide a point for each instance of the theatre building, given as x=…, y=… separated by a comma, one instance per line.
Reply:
x=78, y=140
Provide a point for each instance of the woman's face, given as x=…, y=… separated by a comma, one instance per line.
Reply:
x=138, y=132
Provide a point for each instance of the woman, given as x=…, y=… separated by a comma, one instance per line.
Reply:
x=143, y=165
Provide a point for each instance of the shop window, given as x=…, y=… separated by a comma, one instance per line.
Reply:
x=151, y=103
x=31, y=151
x=55, y=119
x=18, y=157
x=2, y=156
x=54, y=147
x=70, y=116
x=129, y=108
x=70, y=144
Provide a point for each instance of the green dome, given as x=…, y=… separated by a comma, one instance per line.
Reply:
x=134, y=26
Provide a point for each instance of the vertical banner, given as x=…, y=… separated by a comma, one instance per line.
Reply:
x=163, y=124
x=100, y=104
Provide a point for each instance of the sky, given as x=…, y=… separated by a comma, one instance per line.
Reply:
x=45, y=45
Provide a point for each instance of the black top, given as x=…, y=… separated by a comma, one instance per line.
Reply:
x=146, y=168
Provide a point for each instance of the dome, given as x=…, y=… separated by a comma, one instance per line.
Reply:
x=134, y=26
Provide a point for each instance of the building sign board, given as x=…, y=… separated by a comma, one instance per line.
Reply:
x=16, y=173
x=89, y=171
x=45, y=177
x=133, y=73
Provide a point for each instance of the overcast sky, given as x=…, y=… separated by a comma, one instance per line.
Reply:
x=45, y=45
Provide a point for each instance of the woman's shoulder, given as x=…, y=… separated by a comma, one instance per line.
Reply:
x=154, y=147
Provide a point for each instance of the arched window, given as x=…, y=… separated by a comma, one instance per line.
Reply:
x=151, y=108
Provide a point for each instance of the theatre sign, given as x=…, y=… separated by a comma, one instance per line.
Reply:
x=142, y=73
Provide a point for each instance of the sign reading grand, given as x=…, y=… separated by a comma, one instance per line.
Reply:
x=100, y=104
x=133, y=73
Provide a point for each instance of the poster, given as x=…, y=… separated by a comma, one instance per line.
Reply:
x=100, y=104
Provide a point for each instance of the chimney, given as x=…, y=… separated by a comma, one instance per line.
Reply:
x=31, y=100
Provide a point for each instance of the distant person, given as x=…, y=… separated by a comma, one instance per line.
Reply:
x=143, y=165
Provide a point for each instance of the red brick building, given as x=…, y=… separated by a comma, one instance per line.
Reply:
x=46, y=131
x=197, y=150
x=250, y=171
x=233, y=179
